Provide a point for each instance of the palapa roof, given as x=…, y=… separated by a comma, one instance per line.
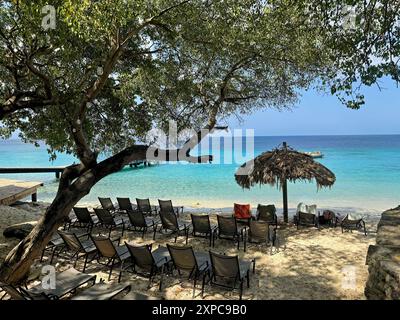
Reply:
x=284, y=163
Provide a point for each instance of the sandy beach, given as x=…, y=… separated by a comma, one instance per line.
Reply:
x=308, y=263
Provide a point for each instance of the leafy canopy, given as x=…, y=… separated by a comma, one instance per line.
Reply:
x=113, y=69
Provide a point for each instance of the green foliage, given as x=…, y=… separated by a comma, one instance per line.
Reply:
x=184, y=63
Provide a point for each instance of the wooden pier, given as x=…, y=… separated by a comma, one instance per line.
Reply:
x=140, y=162
x=13, y=190
x=56, y=170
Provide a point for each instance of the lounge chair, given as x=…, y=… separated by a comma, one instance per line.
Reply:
x=112, y=252
x=228, y=229
x=228, y=271
x=151, y=262
x=353, y=222
x=102, y=291
x=267, y=213
x=107, y=204
x=138, y=222
x=169, y=222
x=144, y=206
x=242, y=213
x=109, y=222
x=260, y=232
x=18, y=293
x=203, y=228
x=195, y=263
x=167, y=207
x=78, y=247
x=66, y=282
x=125, y=205
x=56, y=243
x=84, y=219
x=306, y=216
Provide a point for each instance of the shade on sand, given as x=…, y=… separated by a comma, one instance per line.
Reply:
x=280, y=165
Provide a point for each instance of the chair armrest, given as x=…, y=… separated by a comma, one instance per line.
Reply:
x=84, y=235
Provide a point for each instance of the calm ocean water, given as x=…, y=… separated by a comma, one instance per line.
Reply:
x=367, y=169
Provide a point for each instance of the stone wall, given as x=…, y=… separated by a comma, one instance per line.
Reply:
x=383, y=259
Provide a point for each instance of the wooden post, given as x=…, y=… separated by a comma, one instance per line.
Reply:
x=57, y=174
x=285, y=196
x=285, y=202
x=34, y=197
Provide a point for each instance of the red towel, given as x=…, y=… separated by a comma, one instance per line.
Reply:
x=242, y=211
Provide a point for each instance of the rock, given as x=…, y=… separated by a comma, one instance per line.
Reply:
x=383, y=259
x=20, y=230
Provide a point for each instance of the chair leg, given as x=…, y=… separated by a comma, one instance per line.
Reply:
x=161, y=277
x=121, y=269
x=203, y=284
x=194, y=284
x=241, y=289
x=111, y=269
x=52, y=255
x=154, y=232
x=84, y=264
x=41, y=257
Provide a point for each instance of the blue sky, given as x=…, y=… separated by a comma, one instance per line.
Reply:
x=323, y=114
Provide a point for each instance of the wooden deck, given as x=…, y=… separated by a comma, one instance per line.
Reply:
x=13, y=190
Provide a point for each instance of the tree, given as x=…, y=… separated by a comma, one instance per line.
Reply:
x=111, y=70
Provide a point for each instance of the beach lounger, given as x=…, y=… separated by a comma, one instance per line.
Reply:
x=56, y=243
x=353, y=222
x=242, y=213
x=195, y=263
x=228, y=229
x=151, y=262
x=201, y=227
x=169, y=222
x=167, y=207
x=18, y=293
x=84, y=219
x=66, y=282
x=229, y=271
x=108, y=221
x=78, y=247
x=267, y=213
x=306, y=216
x=138, y=222
x=107, y=204
x=102, y=291
x=112, y=252
x=260, y=232
x=143, y=205
x=125, y=205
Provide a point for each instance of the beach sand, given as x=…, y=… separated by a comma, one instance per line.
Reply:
x=308, y=264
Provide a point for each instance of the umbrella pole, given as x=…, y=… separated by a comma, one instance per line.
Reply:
x=285, y=202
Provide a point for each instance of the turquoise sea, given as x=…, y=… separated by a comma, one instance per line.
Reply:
x=367, y=169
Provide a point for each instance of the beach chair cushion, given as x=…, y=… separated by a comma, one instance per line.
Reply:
x=242, y=211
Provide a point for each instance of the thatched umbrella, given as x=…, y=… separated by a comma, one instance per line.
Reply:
x=280, y=165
